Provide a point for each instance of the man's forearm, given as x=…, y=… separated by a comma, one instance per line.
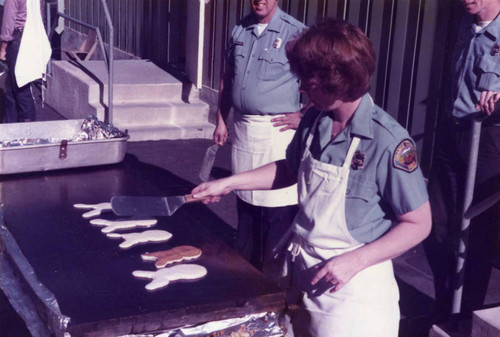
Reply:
x=225, y=101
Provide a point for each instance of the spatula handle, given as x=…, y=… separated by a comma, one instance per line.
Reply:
x=189, y=198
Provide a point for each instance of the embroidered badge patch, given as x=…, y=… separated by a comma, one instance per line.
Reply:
x=277, y=43
x=358, y=160
x=405, y=156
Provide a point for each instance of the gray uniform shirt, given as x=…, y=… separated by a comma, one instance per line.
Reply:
x=476, y=61
x=384, y=180
x=262, y=81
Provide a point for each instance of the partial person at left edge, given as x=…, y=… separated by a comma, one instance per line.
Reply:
x=26, y=50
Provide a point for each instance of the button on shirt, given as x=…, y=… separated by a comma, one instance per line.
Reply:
x=476, y=65
x=377, y=192
x=262, y=82
x=14, y=17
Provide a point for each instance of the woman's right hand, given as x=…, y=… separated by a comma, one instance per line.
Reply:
x=212, y=189
x=220, y=133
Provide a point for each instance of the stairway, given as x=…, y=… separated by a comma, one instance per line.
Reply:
x=147, y=101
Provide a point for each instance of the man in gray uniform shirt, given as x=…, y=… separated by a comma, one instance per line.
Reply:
x=258, y=84
x=19, y=104
x=475, y=88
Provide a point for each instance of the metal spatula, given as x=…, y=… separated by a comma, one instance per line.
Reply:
x=149, y=206
x=208, y=162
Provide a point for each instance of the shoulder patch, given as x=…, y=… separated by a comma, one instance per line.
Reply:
x=405, y=156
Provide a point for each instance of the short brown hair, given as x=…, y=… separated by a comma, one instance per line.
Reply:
x=339, y=54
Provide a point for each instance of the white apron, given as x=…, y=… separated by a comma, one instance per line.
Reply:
x=34, y=50
x=256, y=142
x=368, y=304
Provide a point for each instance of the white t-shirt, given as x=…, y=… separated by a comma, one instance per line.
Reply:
x=481, y=24
x=262, y=26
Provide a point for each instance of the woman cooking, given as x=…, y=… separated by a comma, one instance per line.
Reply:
x=362, y=196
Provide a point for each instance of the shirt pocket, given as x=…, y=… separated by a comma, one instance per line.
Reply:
x=273, y=63
x=239, y=56
x=489, y=75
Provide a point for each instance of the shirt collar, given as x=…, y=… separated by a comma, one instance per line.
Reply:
x=274, y=24
x=362, y=122
x=492, y=31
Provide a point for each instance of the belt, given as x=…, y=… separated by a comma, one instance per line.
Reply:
x=266, y=114
x=466, y=122
x=262, y=113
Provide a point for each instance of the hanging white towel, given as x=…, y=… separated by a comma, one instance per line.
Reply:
x=35, y=50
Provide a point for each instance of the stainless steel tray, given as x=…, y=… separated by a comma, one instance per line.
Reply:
x=44, y=157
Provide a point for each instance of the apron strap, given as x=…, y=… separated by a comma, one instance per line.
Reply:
x=310, y=136
x=350, y=153
x=352, y=147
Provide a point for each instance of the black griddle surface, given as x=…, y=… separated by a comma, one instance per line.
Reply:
x=91, y=277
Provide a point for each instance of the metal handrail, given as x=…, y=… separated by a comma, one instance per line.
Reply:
x=108, y=58
x=469, y=211
x=464, y=226
x=97, y=30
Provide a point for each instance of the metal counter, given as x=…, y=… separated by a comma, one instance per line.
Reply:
x=91, y=277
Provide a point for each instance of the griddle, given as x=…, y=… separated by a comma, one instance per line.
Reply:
x=91, y=277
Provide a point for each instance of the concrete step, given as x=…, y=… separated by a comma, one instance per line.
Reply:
x=170, y=131
x=444, y=330
x=168, y=112
x=135, y=81
x=147, y=101
x=486, y=323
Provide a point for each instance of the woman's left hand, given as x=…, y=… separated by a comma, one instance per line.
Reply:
x=338, y=271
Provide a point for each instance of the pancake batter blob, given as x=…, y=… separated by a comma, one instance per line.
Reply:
x=132, y=239
x=111, y=226
x=177, y=254
x=95, y=209
x=163, y=277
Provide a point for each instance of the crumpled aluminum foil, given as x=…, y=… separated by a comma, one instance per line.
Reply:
x=91, y=129
x=27, y=141
x=254, y=325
